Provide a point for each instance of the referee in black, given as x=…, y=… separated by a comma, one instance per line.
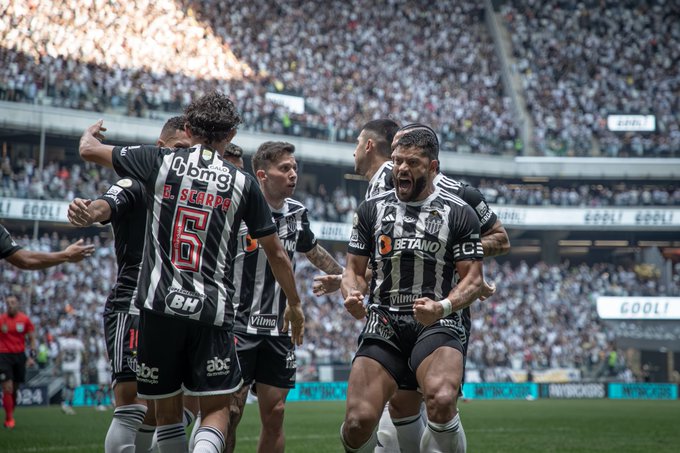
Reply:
x=195, y=203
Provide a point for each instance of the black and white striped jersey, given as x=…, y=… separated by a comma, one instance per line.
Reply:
x=413, y=247
x=259, y=300
x=195, y=204
x=382, y=180
x=126, y=198
x=470, y=195
x=8, y=246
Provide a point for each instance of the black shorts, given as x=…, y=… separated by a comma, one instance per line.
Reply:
x=176, y=355
x=266, y=359
x=400, y=343
x=13, y=367
x=121, y=331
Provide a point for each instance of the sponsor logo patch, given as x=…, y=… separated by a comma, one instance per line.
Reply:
x=183, y=302
x=263, y=321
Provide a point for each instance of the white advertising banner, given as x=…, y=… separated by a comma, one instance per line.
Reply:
x=585, y=218
x=43, y=210
x=651, y=308
x=631, y=123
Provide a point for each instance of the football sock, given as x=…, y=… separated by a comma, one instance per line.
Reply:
x=123, y=429
x=387, y=434
x=409, y=432
x=8, y=404
x=209, y=440
x=192, y=436
x=144, y=437
x=444, y=437
x=172, y=438
x=368, y=447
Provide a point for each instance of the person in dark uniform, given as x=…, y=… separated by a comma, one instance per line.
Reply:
x=423, y=245
x=266, y=354
x=195, y=204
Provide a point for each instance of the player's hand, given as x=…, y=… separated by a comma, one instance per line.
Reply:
x=488, y=290
x=78, y=214
x=295, y=317
x=78, y=251
x=427, y=311
x=354, y=304
x=326, y=284
x=96, y=130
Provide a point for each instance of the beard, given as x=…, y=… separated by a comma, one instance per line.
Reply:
x=419, y=184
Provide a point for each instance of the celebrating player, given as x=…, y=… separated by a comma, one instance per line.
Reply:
x=266, y=354
x=195, y=204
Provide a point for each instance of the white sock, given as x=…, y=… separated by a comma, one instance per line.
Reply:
x=387, y=434
x=209, y=440
x=188, y=417
x=192, y=436
x=123, y=429
x=172, y=438
x=444, y=437
x=409, y=431
x=368, y=447
x=144, y=439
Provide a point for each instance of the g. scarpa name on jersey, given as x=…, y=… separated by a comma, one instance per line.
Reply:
x=199, y=197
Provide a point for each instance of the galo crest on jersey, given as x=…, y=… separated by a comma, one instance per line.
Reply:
x=291, y=225
x=212, y=174
x=20, y=327
x=433, y=223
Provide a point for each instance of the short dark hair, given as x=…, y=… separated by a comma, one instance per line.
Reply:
x=212, y=116
x=425, y=139
x=382, y=132
x=269, y=152
x=411, y=126
x=233, y=150
x=176, y=123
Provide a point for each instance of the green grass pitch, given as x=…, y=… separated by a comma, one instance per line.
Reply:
x=491, y=426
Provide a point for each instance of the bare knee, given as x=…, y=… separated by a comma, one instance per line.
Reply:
x=360, y=422
x=272, y=418
x=440, y=400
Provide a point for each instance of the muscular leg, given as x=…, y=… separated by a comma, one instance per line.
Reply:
x=439, y=376
x=369, y=388
x=238, y=403
x=170, y=427
x=272, y=402
x=214, y=421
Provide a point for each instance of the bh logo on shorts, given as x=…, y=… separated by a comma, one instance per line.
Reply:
x=217, y=366
x=147, y=374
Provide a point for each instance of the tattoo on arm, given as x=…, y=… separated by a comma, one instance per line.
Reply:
x=465, y=297
x=496, y=242
x=323, y=260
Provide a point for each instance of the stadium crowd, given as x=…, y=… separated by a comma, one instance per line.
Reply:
x=580, y=61
x=21, y=178
x=542, y=315
x=352, y=62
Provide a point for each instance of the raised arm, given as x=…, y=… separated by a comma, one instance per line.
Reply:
x=283, y=272
x=91, y=147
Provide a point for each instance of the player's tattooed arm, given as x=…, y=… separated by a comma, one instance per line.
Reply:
x=495, y=241
x=323, y=260
x=470, y=287
x=354, y=285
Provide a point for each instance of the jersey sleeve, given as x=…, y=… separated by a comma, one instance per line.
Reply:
x=306, y=239
x=138, y=162
x=8, y=246
x=361, y=240
x=466, y=235
x=473, y=197
x=258, y=216
x=121, y=197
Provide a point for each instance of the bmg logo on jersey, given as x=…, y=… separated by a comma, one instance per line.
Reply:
x=183, y=302
x=217, y=366
x=213, y=173
x=147, y=374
